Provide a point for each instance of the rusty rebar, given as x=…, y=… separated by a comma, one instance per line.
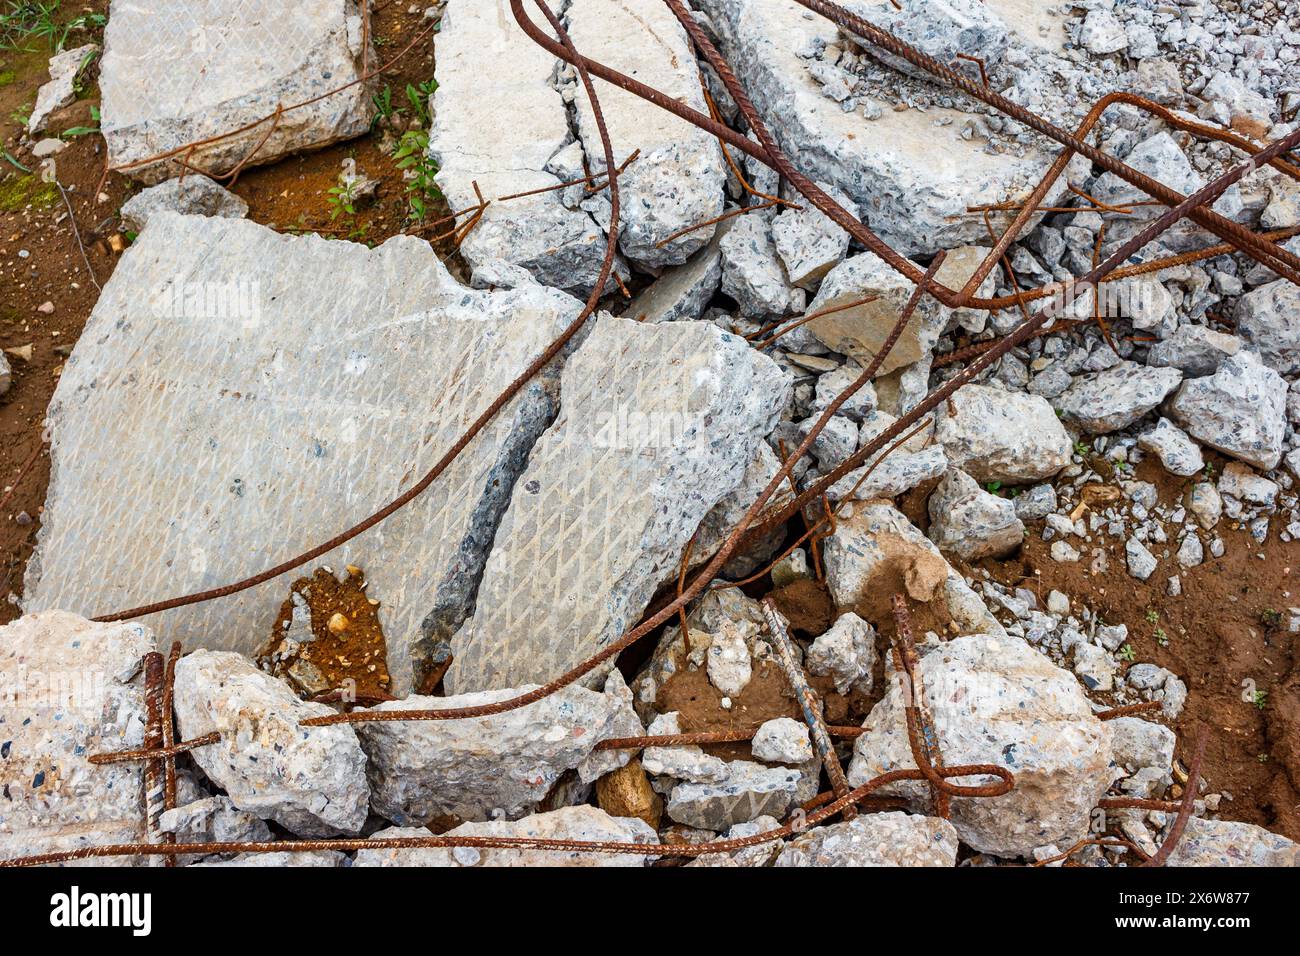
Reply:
x=510, y=843
x=1189, y=799
x=809, y=705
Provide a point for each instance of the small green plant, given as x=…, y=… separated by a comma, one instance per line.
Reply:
x=1261, y=699
x=79, y=83
x=993, y=487
x=1270, y=618
x=412, y=158
x=1081, y=449
x=1153, y=615
x=418, y=97
x=384, y=109
x=343, y=202
x=24, y=20
x=1161, y=637
x=1209, y=471
x=1127, y=653
x=84, y=130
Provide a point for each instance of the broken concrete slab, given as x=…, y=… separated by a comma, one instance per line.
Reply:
x=752, y=273
x=194, y=195
x=750, y=790
x=61, y=91
x=72, y=689
x=996, y=435
x=876, y=551
x=877, y=839
x=498, y=766
x=658, y=424
x=860, y=331
x=1240, y=410
x=182, y=71
x=679, y=179
x=997, y=700
x=311, y=780
x=808, y=242
x=682, y=292
x=939, y=30
x=585, y=823
x=914, y=180
x=239, y=396
x=971, y=523
x=529, y=125
x=1102, y=402
x=1229, y=843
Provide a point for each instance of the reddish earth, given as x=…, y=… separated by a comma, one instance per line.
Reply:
x=1222, y=636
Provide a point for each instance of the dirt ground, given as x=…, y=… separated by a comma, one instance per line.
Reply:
x=1220, y=632
x=1225, y=636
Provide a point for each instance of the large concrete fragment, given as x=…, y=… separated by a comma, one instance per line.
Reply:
x=1240, y=410
x=658, y=423
x=997, y=700
x=860, y=330
x=61, y=91
x=496, y=766
x=876, y=551
x=498, y=121
x=240, y=396
x=938, y=28
x=585, y=823
x=679, y=178
x=684, y=291
x=176, y=72
x=876, y=839
x=68, y=689
x=995, y=435
x=914, y=187
x=311, y=780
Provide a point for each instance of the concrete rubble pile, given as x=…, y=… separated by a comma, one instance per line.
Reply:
x=626, y=462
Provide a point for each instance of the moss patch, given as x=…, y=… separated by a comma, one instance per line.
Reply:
x=27, y=190
x=7, y=77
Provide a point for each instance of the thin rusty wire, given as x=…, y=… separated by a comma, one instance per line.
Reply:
x=924, y=742
x=791, y=828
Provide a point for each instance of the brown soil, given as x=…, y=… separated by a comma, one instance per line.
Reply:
x=348, y=653
x=40, y=261
x=1220, y=634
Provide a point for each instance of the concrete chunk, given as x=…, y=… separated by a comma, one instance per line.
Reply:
x=997, y=700
x=192, y=196
x=861, y=330
x=61, y=90
x=679, y=178
x=71, y=688
x=658, y=424
x=311, y=780
x=501, y=765
x=498, y=121
x=914, y=182
x=181, y=71
x=1240, y=410
x=585, y=823
x=240, y=396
